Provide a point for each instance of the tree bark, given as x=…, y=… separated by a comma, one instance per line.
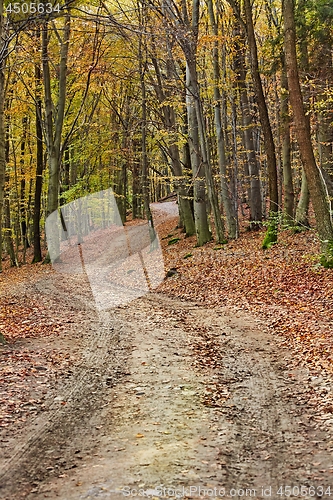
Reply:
x=199, y=202
x=288, y=188
x=39, y=166
x=142, y=56
x=303, y=133
x=302, y=210
x=325, y=141
x=230, y=213
x=325, y=112
x=204, y=148
x=170, y=124
x=2, y=126
x=136, y=187
x=189, y=46
x=254, y=189
x=263, y=112
x=54, y=124
x=7, y=215
x=23, y=209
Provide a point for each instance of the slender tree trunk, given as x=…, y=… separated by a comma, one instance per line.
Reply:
x=39, y=167
x=204, y=148
x=285, y=150
x=231, y=214
x=254, y=189
x=8, y=227
x=142, y=56
x=120, y=177
x=188, y=44
x=187, y=168
x=54, y=124
x=136, y=190
x=53, y=187
x=184, y=202
x=65, y=180
x=29, y=204
x=145, y=186
x=199, y=202
x=303, y=133
x=8, y=233
x=2, y=126
x=123, y=182
x=183, y=198
x=325, y=142
x=325, y=112
x=7, y=215
x=263, y=112
x=23, y=210
x=302, y=210
x=169, y=117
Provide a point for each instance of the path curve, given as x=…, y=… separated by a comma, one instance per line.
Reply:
x=173, y=398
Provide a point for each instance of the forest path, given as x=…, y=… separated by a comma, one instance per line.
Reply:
x=171, y=398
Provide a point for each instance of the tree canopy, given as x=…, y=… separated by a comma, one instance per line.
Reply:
x=227, y=104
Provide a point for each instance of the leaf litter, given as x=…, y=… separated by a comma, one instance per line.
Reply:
x=283, y=287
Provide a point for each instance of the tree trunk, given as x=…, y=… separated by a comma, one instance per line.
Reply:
x=145, y=181
x=188, y=42
x=285, y=150
x=170, y=124
x=199, y=202
x=8, y=232
x=23, y=209
x=303, y=133
x=142, y=56
x=325, y=141
x=39, y=167
x=254, y=189
x=302, y=210
x=184, y=202
x=204, y=148
x=54, y=124
x=231, y=216
x=263, y=112
x=65, y=178
x=136, y=191
x=7, y=215
x=2, y=127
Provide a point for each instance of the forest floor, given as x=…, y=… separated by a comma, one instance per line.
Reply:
x=221, y=378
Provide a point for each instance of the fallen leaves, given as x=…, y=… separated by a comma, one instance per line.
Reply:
x=24, y=373
x=280, y=285
x=29, y=362
x=19, y=320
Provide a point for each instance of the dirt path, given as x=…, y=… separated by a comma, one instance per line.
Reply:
x=171, y=399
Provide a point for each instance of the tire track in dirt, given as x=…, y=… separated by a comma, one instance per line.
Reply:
x=270, y=432
x=211, y=401
x=78, y=399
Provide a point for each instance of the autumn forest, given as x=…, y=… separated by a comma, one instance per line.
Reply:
x=226, y=104
x=179, y=343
